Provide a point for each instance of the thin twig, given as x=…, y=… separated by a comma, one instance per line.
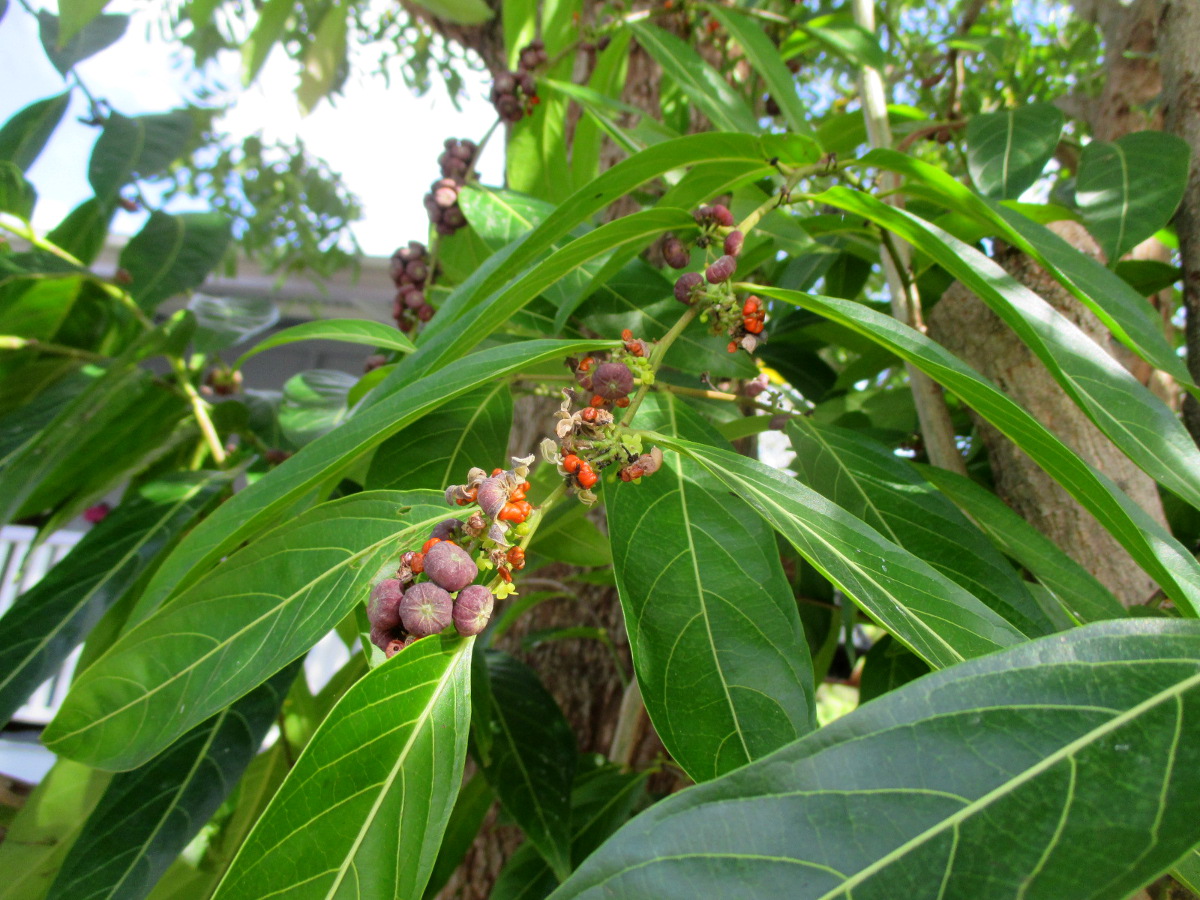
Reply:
x=199, y=411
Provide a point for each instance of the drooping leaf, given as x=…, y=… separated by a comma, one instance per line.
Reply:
x=531, y=762
x=248, y=619
x=385, y=767
x=268, y=29
x=436, y=452
x=45, y=623
x=84, y=229
x=846, y=38
x=138, y=146
x=716, y=640
x=1080, y=594
x=75, y=15
x=1136, y=420
x=251, y=510
x=147, y=816
x=470, y=808
x=69, y=43
x=23, y=136
x=223, y=322
x=869, y=481
x=995, y=779
x=1129, y=188
x=940, y=621
x=1007, y=151
x=173, y=254
x=352, y=331
x=17, y=195
x=1150, y=545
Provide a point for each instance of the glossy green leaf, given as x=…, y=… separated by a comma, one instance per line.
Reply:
x=1059, y=768
x=136, y=147
x=938, y=620
x=606, y=81
x=386, y=765
x=1129, y=188
x=68, y=44
x=460, y=12
x=1187, y=871
x=1080, y=594
x=147, y=816
x=607, y=113
x=702, y=84
x=45, y=623
x=869, y=481
x=37, y=307
x=1150, y=545
x=23, y=136
x=248, y=619
x=470, y=808
x=572, y=538
x=436, y=452
x=531, y=762
x=887, y=666
x=223, y=322
x=41, y=835
x=268, y=29
x=173, y=254
x=251, y=510
x=716, y=640
x=1007, y=151
x=324, y=59
x=83, y=231
x=314, y=403
x=352, y=331
x=1119, y=307
x=1136, y=420
x=17, y=196
x=848, y=39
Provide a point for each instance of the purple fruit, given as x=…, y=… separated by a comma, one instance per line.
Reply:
x=473, y=609
x=492, y=496
x=733, y=243
x=426, y=609
x=416, y=271
x=674, y=253
x=685, y=287
x=450, y=566
x=721, y=270
x=446, y=529
x=381, y=637
x=612, y=380
x=425, y=313
x=721, y=215
x=702, y=215
x=383, y=608
x=414, y=299
x=505, y=83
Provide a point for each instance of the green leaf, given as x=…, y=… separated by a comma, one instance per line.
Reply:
x=25, y=134
x=887, y=666
x=324, y=59
x=137, y=147
x=36, y=307
x=573, y=538
x=272, y=18
x=43, y=832
x=436, y=452
x=17, y=196
x=83, y=231
x=223, y=322
x=75, y=15
x=147, y=816
x=702, y=84
x=1080, y=594
x=938, y=620
x=1136, y=420
x=1129, y=188
x=1150, y=545
x=314, y=403
x=45, y=623
x=1007, y=151
x=1065, y=757
x=385, y=766
x=352, y=331
x=1187, y=870
x=69, y=44
x=248, y=619
x=459, y=12
x=716, y=640
x=251, y=510
x=531, y=762
x=763, y=55
x=173, y=254
x=847, y=39
x=472, y=805
x=869, y=481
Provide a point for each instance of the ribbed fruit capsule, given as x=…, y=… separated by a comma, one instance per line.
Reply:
x=383, y=607
x=721, y=215
x=426, y=609
x=686, y=286
x=450, y=566
x=675, y=254
x=733, y=243
x=721, y=270
x=473, y=609
x=612, y=380
x=447, y=529
x=492, y=496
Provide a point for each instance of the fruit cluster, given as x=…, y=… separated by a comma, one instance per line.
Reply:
x=456, y=163
x=409, y=271
x=514, y=94
x=502, y=506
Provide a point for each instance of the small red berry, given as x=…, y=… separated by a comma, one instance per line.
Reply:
x=587, y=477
x=626, y=335
x=588, y=414
x=571, y=463
x=429, y=544
x=597, y=401
x=417, y=563
x=622, y=402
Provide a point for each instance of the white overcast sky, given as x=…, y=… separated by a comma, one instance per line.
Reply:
x=384, y=142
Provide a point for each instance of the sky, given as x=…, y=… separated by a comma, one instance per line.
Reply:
x=385, y=143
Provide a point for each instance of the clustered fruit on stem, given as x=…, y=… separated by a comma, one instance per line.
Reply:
x=409, y=271
x=514, y=94
x=743, y=321
x=457, y=164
